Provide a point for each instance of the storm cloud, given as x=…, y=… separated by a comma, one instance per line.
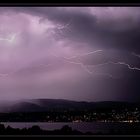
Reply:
x=75, y=53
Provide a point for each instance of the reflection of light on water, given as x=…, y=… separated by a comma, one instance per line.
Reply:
x=130, y=121
x=77, y=121
x=126, y=121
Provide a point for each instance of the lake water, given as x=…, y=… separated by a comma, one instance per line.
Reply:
x=82, y=126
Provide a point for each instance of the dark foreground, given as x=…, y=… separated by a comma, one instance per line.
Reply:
x=65, y=130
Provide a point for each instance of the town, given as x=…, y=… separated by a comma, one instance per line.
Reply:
x=124, y=115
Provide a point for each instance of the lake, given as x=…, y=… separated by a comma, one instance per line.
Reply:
x=94, y=127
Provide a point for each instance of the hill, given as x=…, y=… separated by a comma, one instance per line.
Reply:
x=42, y=105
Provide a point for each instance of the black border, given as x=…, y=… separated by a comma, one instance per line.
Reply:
x=63, y=4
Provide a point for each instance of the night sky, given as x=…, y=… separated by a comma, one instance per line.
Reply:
x=74, y=53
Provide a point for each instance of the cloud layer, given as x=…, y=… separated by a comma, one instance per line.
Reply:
x=76, y=53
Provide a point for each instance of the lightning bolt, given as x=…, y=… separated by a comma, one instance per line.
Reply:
x=84, y=67
x=117, y=63
x=75, y=56
x=137, y=55
x=5, y=39
x=11, y=39
x=81, y=64
x=72, y=62
x=60, y=27
x=129, y=67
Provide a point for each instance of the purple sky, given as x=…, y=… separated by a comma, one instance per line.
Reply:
x=76, y=53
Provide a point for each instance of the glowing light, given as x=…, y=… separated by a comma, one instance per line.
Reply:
x=92, y=52
x=117, y=63
x=84, y=67
x=9, y=40
x=130, y=67
x=81, y=64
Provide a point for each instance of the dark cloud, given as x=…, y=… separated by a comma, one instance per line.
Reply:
x=50, y=35
x=85, y=26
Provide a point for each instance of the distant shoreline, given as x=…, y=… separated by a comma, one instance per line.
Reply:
x=83, y=128
x=64, y=129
